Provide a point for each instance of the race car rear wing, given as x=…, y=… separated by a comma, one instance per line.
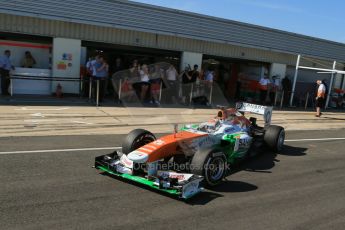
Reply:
x=266, y=111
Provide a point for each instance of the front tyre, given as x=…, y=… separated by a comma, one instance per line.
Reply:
x=135, y=139
x=274, y=137
x=211, y=164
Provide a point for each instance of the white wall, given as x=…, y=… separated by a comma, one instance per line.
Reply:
x=66, y=63
x=189, y=58
x=277, y=69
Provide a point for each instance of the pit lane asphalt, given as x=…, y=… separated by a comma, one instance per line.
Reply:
x=301, y=188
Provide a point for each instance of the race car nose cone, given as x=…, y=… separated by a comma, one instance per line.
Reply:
x=138, y=157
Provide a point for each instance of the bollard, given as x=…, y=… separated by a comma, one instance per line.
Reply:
x=211, y=90
x=282, y=100
x=120, y=89
x=292, y=94
x=97, y=93
x=275, y=98
x=191, y=94
x=81, y=87
x=306, y=101
x=11, y=88
x=90, y=89
x=160, y=90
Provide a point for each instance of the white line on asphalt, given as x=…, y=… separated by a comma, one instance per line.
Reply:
x=39, y=120
x=45, y=109
x=37, y=115
x=317, y=139
x=59, y=150
x=117, y=147
x=82, y=122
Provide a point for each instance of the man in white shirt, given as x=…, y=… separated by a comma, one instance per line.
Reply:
x=320, y=97
x=93, y=66
x=209, y=76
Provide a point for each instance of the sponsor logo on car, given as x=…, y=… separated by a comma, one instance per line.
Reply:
x=126, y=162
x=159, y=142
x=204, y=142
x=244, y=142
x=229, y=130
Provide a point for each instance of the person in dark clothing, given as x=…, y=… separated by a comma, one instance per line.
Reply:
x=286, y=84
x=186, y=86
x=194, y=74
x=5, y=68
x=117, y=65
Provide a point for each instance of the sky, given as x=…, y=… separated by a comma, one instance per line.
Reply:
x=318, y=18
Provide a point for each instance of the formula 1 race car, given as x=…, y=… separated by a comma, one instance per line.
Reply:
x=177, y=163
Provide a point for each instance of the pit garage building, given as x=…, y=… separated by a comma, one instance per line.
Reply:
x=62, y=34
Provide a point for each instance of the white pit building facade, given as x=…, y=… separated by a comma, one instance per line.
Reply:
x=62, y=35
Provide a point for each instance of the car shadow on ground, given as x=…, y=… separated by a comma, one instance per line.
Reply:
x=213, y=193
x=203, y=198
x=261, y=163
x=293, y=151
x=267, y=160
x=234, y=187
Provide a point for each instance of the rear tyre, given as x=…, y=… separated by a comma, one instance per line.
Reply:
x=211, y=164
x=135, y=139
x=274, y=137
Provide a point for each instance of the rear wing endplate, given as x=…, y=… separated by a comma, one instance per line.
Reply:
x=266, y=111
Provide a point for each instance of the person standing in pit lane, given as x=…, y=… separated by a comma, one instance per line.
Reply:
x=320, y=97
x=5, y=68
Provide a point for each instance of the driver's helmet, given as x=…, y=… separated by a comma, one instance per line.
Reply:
x=222, y=115
x=210, y=126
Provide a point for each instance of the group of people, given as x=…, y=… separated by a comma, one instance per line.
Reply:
x=268, y=89
x=6, y=66
x=147, y=81
x=97, y=71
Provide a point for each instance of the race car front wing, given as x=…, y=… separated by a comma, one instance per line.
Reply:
x=182, y=185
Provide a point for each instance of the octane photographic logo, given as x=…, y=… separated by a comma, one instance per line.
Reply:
x=177, y=167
